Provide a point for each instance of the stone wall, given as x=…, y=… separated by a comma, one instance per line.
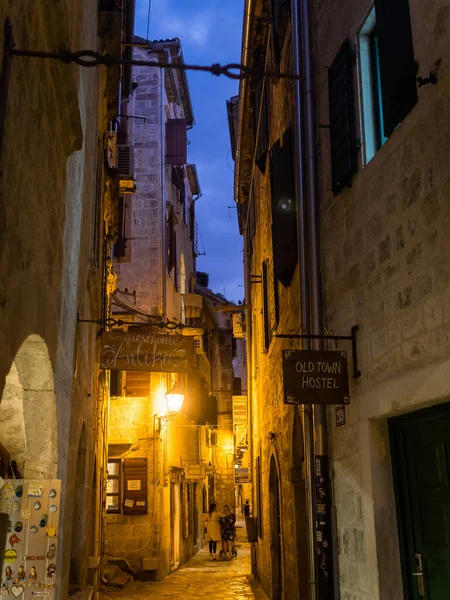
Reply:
x=385, y=251
x=176, y=453
x=141, y=271
x=272, y=422
x=47, y=198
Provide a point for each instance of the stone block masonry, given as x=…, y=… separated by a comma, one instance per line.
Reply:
x=385, y=249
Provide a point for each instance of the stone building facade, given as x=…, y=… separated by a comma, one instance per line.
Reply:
x=52, y=266
x=272, y=277
x=154, y=259
x=385, y=268
x=372, y=160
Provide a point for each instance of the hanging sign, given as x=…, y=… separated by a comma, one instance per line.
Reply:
x=240, y=421
x=241, y=475
x=315, y=377
x=131, y=351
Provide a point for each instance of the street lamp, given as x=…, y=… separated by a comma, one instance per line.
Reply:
x=174, y=399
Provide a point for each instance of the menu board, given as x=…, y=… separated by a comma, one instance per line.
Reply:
x=31, y=550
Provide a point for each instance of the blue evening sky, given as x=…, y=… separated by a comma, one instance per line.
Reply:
x=210, y=32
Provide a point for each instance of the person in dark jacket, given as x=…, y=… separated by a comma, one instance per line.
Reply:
x=228, y=530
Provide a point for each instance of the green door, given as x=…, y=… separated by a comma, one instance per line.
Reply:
x=421, y=465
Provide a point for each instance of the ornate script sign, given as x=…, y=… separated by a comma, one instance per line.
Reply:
x=131, y=351
x=315, y=377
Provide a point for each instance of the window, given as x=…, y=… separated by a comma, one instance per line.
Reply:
x=372, y=122
x=113, y=486
x=387, y=72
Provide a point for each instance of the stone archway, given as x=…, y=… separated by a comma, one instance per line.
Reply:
x=28, y=418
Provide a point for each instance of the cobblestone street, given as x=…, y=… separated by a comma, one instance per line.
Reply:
x=201, y=578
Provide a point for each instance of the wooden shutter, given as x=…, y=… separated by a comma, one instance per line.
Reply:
x=281, y=12
x=260, y=103
x=284, y=219
x=125, y=160
x=398, y=69
x=176, y=142
x=259, y=498
x=134, y=477
x=342, y=123
x=120, y=246
x=171, y=240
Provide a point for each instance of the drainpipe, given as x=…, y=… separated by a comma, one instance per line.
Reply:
x=307, y=419
x=307, y=136
x=163, y=261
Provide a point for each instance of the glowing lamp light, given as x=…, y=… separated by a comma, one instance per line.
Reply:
x=174, y=399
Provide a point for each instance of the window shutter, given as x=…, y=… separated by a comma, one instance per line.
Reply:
x=281, y=12
x=260, y=102
x=120, y=246
x=125, y=160
x=342, y=125
x=171, y=240
x=176, y=142
x=135, y=486
x=397, y=67
x=284, y=220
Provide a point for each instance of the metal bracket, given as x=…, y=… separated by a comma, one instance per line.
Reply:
x=111, y=322
x=318, y=336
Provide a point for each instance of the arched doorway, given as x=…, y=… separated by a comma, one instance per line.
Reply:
x=300, y=514
x=28, y=420
x=275, y=531
x=78, y=515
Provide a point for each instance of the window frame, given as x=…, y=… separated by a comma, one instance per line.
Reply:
x=369, y=89
x=118, y=494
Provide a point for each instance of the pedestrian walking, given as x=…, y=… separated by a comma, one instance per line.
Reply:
x=211, y=520
x=228, y=530
x=246, y=508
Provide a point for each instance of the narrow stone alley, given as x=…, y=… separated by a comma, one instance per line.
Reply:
x=201, y=577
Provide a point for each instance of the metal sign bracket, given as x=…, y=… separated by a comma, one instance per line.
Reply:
x=336, y=338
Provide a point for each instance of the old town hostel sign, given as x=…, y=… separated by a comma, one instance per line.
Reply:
x=315, y=377
x=159, y=352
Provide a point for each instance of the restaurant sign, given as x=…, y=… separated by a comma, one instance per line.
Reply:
x=315, y=377
x=132, y=351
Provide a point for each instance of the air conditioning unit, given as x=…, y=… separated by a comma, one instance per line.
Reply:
x=239, y=326
x=125, y=163
x=198, y=344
